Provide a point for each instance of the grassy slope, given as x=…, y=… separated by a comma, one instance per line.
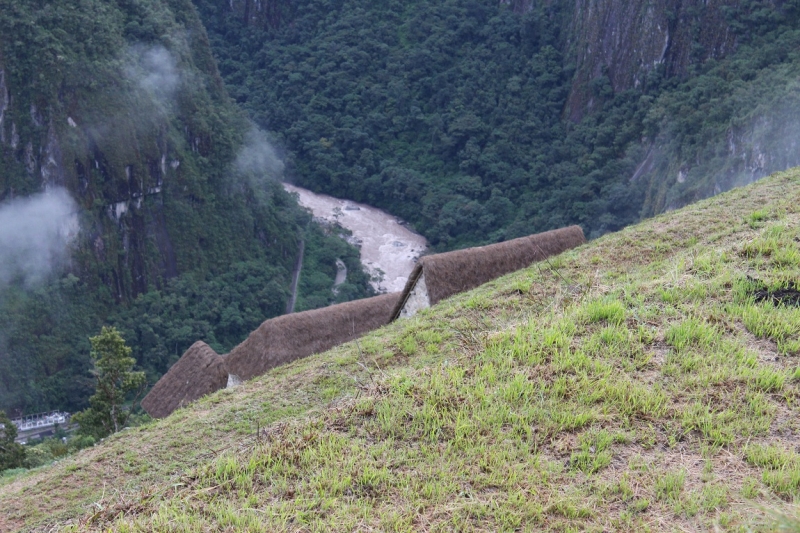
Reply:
x=627, y=385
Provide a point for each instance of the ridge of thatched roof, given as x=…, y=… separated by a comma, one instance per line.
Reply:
x=453, y=272
x=198, y=372
x=289, y=337
x=286, y=338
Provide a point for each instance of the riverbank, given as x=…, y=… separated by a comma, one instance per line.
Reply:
x=389, y=249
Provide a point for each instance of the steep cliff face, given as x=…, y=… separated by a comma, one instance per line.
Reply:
x=259, y=13
x=5, y=101
x=757, y=138
x=625, y=41
x=715, y=124
x=122, y=105
x=622, y=40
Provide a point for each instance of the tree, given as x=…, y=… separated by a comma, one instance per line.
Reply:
x=113, y=370
x=12, y=455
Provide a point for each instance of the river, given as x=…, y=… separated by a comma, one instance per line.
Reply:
x=386, y=244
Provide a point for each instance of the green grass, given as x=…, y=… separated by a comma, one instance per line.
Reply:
x=635, y=387
x=669, y=485
x=781, y=467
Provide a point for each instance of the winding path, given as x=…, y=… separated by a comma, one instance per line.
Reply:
x=298, y=266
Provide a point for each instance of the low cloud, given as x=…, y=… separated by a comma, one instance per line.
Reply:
x=257, y=164
x=258, y=157
x=154, y=70
x=35, y=234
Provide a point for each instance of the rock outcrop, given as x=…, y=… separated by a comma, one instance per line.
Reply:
x=133, y=130
x=624, y=41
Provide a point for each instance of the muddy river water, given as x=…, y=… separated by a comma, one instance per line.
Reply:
x=387, y=246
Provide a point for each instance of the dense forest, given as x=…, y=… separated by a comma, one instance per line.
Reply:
x=475, y=120
x=453, y=114
x=184, y=230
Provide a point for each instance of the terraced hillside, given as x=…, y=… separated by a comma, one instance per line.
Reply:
x=646, y=381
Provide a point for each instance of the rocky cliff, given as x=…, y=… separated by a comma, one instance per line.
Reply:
x=119, y=105
x=726, y=125
x=625, y=41
x=122, y=105
x=759, y=138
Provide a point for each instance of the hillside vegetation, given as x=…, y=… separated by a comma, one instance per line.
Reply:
x=475, y=120
x=645, y=381
x=480, y=121
x=186, y=233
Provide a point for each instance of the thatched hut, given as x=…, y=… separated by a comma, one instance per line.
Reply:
x=289, y=337
x=436, y=277
x=286, y=338
x=198, y=372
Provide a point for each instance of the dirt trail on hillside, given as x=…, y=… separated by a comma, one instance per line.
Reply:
x=298, y=266
x=385, y=243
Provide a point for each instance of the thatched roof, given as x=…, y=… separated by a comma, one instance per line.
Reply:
x=198, y=372
x=453, y=272
x=289, y=337
x=286, y=338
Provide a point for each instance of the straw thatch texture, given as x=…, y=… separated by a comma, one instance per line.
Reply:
x=289, y=337
x=454, y=272
x=198, y=372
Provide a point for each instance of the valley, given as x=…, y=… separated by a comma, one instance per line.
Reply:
x=222, y=163
x=388, y=248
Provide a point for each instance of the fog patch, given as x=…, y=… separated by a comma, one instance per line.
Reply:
x=760, y=136
x=35, y=234
x=259, y=157
x=258, y=163
x=154, y=70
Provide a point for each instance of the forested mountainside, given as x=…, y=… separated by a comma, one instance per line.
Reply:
x=173, y=225
x=483, y=120
x=476, y=120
